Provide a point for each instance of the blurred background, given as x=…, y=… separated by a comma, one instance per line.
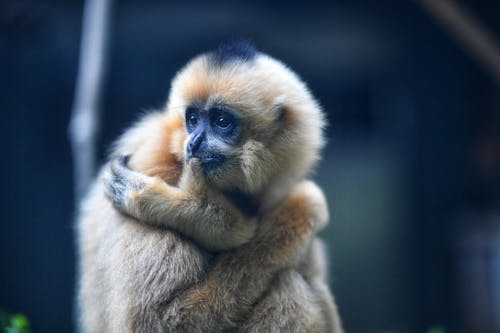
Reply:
x=411, y=170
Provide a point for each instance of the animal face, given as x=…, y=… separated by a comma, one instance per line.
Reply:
x=213, y=135
x=249, y=119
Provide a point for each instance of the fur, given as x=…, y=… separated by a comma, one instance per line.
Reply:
x=136, y=277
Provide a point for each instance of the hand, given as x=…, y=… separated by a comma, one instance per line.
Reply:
x=128, y=189
x=192, y=179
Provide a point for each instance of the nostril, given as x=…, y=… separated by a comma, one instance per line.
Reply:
x=195, y=143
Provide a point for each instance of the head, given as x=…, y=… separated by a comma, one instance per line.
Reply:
x=249, y=119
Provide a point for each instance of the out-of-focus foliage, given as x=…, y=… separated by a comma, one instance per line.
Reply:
x=436, y=329
x=14, y=323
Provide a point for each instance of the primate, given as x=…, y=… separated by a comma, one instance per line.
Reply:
x=219, y=224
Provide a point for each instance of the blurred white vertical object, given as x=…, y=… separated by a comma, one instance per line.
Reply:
x=467, y=31
x=84, y=121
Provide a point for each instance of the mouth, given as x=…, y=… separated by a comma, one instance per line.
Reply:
x=212, y=162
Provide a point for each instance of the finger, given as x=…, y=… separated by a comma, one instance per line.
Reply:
x=113, y=191
x=116, y=195
x=127, y=177
x=123, y=159
x=120, y=170
x=110, y=193
x=108, y=181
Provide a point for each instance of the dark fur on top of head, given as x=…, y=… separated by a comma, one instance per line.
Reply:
x=238, y=50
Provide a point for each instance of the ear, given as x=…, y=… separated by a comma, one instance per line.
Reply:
x=278, y=108
x=280, y=113
x=284, y=115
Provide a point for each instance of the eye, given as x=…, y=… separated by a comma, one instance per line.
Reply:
x=192, y=120
x=223, y=121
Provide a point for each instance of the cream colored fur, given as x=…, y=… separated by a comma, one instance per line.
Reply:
x=135, y=277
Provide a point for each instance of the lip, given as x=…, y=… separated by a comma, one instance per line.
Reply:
x=212, y=161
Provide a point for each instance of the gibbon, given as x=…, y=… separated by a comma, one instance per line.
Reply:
x=220, y=224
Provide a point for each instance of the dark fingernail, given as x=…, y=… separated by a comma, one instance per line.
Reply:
x=123, y=159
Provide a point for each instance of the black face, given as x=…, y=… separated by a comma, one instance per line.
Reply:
x=210, y=132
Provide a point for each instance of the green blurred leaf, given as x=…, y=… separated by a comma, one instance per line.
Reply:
x=436, y=329
x=19, y=320
x=17, y=323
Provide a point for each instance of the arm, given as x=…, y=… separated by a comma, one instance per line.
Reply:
x=292, y=305
x=188, y=209
x=241, y=278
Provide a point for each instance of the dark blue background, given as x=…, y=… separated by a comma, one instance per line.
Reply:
x=412, y=159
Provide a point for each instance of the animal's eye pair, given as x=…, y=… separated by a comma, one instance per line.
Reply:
x=218, y=118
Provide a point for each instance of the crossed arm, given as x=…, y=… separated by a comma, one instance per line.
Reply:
x=190, y=208
x=238, y=278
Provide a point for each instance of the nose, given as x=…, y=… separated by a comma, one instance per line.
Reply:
x=194, y=144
